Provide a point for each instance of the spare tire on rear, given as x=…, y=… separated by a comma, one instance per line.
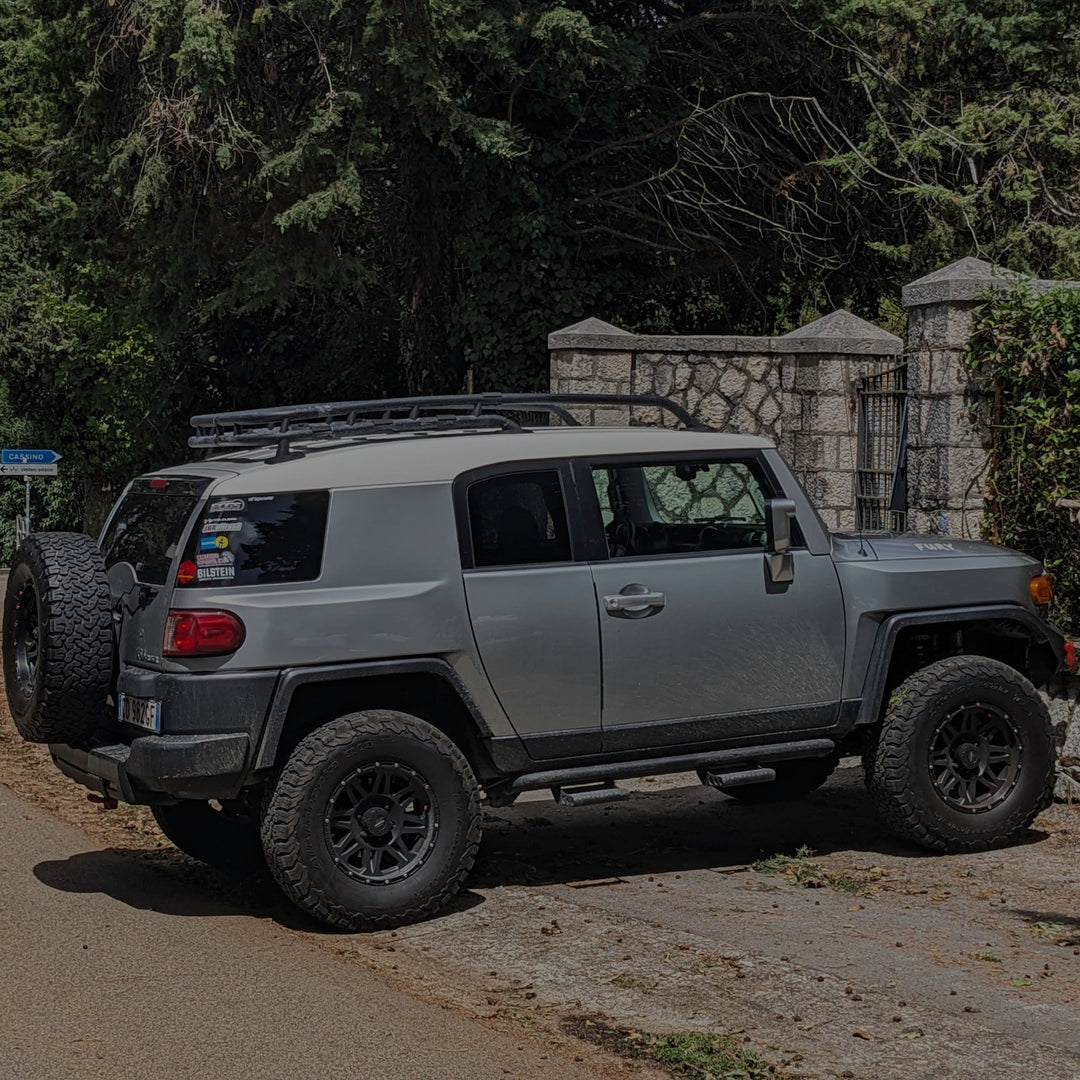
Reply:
x=58, y=645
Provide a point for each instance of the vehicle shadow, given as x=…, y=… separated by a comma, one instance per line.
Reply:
x=172, y=883
x=678, y=829
x=164, y=881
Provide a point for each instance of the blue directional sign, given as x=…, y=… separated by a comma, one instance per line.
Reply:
x=28, y=457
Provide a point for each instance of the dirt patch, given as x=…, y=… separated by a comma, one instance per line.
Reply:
x=801, y=931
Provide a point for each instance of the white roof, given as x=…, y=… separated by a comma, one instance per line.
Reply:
x=437, y=458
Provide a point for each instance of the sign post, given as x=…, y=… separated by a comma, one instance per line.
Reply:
x=27, y=463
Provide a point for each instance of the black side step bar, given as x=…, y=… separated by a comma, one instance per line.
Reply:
x=583, y=774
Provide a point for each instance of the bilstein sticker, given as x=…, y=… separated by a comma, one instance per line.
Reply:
x=225, y=506
x=216, y=573
x=222, y=526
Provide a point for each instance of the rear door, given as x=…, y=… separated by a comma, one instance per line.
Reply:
x=531, y=602
x=698, y=643
x=145, y=531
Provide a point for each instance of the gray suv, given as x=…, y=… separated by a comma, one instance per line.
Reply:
x=327, y=640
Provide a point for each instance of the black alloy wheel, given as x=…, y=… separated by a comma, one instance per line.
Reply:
x=25, y=643
x=381, y=822
x=975, y=757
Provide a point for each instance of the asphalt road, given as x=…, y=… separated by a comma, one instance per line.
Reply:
x=105, y=973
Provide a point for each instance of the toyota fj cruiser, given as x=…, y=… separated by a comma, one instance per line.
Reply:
x=329, y=635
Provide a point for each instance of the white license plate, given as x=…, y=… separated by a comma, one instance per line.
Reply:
x=142, y=712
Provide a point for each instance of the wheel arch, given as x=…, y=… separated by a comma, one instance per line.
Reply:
x=429, y=688
x=906, y=641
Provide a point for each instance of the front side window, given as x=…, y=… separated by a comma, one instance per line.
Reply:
x=518, y=518
x=680, y=506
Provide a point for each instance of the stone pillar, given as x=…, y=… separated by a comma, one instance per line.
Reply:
x=593, y=357
x=949, y=427
x=821, y=366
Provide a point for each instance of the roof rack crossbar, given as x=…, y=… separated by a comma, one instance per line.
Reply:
x=342, y=419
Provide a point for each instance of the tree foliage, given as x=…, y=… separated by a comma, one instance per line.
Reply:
x=1027, y=351
x=222, y=203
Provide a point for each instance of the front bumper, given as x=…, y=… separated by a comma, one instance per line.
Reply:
x=158, y=768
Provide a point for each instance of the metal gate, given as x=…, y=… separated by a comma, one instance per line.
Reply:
x=881, y=468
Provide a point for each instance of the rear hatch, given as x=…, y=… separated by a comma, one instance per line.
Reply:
x=142, y=542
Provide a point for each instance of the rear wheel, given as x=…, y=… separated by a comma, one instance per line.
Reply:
x=374, y=821
x=223, y=835
x=58, y=644
x=964, y=758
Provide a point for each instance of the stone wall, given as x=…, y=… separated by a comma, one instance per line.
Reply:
x=798, y=389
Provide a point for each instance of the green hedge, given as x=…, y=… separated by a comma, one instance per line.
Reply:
x=1027, y=350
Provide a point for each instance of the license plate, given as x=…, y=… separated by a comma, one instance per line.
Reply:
x=142, y=712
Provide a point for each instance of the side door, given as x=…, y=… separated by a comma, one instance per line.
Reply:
x=698, y=643
x=530, y=594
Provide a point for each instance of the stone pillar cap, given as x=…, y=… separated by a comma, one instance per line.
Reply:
x=840, y=332
x=588, y=332
x=965, y=279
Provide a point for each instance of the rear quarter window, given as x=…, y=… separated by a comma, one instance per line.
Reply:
x=256, y=540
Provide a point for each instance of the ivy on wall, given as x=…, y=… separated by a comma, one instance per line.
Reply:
x=1026, y=349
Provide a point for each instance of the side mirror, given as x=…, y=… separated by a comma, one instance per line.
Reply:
x=778, y=517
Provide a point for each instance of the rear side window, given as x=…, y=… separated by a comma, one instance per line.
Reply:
x=256, y=540
x=518, y=518
x=145, y=530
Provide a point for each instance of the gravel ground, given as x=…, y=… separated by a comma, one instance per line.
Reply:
x=681, y=910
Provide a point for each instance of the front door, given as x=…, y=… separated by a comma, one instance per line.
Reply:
x=698, y=644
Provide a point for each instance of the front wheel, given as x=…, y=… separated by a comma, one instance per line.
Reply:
x=964, y=757
x=374, y=821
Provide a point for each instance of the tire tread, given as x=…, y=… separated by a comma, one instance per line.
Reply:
x=888, y=755
x=286, y=798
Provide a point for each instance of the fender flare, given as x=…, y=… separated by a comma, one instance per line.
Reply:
x=881, y=654
x=291, y=679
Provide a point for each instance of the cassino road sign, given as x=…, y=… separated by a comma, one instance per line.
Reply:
x=29, y=457
x=28, y=470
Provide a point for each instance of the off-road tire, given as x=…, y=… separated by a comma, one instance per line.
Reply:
x=297, y=831
x=58, y=640
x=906, y=786
x=227, y=838
x=794, y=780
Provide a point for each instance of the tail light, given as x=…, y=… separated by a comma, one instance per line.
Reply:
x=202, y=633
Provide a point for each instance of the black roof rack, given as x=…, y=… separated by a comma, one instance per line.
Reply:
x=328, y=420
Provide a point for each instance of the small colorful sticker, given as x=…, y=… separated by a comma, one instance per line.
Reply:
x=215, y=558
x=207, y=543
x=216, y=573
x=185, y=572
x=221, y=542
x=222, y=526
x=227, y=506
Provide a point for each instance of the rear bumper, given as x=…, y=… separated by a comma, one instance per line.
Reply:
x=211, y=723
x=158, y=768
